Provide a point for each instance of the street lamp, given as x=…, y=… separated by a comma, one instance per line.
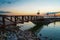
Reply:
x=38, y=13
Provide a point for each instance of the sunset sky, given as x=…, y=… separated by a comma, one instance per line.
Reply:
x=29, y=6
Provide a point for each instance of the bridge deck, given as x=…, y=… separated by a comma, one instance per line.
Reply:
x=15, y=19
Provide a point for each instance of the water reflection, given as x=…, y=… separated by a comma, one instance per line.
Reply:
x=50, y=32
x=26, y=25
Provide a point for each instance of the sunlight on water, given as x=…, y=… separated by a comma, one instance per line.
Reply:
x=26, y=25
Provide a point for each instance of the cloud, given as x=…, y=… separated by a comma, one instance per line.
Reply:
x=7, y=2
x=53, y=12
x=5, y=12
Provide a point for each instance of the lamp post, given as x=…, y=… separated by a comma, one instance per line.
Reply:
x=38, y=13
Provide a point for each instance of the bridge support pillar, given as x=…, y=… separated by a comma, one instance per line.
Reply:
x=3, y=21
x=22, y=19
x=15, y=21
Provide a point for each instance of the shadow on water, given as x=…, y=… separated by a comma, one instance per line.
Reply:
x=39, y=25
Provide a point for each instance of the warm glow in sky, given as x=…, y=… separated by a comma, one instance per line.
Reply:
x=29, y=6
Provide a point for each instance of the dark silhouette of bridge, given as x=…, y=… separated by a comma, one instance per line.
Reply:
x=6, y=20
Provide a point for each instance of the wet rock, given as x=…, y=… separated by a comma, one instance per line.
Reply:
x=40, y=34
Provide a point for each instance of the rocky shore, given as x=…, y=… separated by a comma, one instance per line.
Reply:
x=27, y=35
x=17, y=34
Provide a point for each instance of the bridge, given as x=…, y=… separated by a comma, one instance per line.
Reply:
x=6, y=20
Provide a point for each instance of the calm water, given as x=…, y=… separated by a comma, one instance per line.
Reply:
x=49, y=31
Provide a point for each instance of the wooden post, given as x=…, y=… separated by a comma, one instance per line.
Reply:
x=3, y=21
x=22, y=19
x=11, y=18
x=31, y=18
x=28, y=18
x=34, y=18
x=15, y=21
x=25, y=17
